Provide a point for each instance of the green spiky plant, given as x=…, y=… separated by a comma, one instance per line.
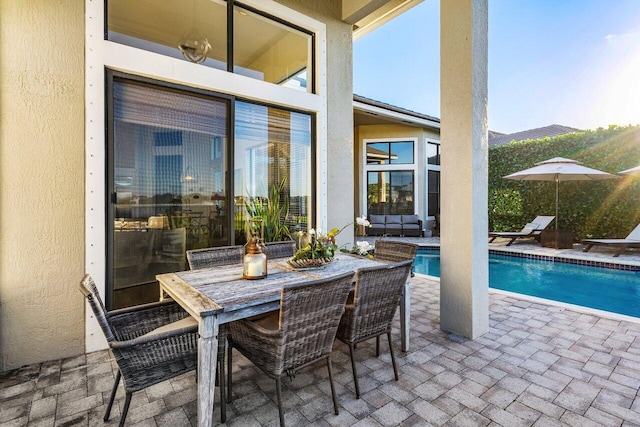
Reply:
x=273, y=213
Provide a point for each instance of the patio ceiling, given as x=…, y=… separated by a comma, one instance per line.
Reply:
x=367, y=15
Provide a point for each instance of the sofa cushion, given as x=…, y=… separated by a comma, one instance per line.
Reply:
x=411, y=226
x=376, y=219
x=410, y=219
x=394, y=219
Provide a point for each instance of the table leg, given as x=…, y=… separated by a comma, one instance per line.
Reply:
x=405, y=315
x=207, y=363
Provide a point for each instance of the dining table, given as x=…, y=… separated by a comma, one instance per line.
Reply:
x=218, y=295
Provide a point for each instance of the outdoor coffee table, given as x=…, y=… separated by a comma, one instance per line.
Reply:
x=220, y=295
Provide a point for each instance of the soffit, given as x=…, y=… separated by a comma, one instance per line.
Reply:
x=367, y=15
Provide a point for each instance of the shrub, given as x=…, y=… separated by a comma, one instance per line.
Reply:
x=608, y=208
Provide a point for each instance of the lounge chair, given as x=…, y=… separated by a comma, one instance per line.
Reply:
x=631, y=241
x=532, y=229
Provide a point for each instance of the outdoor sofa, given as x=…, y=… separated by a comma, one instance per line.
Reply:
x=395, y=225
x=532, y=229
x=631, y=241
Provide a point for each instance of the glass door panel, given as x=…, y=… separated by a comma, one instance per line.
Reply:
x=168, y=184
x=273, y=169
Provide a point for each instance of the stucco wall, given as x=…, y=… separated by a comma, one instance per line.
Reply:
x=41, y=180
x=340, y=188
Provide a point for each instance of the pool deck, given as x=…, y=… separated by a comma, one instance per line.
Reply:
x=539, y=365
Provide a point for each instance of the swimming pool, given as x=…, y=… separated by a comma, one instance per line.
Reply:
x=608, y=289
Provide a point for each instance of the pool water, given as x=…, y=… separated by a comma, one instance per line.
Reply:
x=601, y=288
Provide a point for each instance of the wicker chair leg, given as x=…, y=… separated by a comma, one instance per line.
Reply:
x=125, y=409
x=279, y=395
x=393, y=358
x=223, y=400
x=353, y=367
x=229, y=373
x=333, y=389
x=107, y=413
x=378, y=346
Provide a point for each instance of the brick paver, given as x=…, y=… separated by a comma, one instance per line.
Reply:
x=539, y=365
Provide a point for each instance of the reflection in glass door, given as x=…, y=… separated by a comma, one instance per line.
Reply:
x=168, y=169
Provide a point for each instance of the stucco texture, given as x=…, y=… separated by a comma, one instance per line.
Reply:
x=340, y=188
x=41, y=180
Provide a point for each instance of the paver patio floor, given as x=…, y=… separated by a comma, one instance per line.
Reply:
x=539, y=365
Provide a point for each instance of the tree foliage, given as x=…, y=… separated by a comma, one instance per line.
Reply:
x=608, y=208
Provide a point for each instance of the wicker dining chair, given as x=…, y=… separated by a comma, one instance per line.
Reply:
x=375, y=300
x=388, y=250
x=283, y=249
x=299, y=334
x=150, y=343
x=215, y=257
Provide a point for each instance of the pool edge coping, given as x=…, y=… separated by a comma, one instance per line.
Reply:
x=561, y=258
x=573, y=307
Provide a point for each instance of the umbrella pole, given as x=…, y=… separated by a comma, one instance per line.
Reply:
x=557, y=202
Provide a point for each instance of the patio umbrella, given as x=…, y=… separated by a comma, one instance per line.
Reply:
x=560, y=169
x=633, y=171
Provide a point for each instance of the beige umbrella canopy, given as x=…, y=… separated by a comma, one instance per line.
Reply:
x=560, y=169
x=633, y=171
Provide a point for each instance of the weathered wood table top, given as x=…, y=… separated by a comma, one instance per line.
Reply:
x=215, y=290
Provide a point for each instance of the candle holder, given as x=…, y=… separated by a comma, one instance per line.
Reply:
x=255, y=260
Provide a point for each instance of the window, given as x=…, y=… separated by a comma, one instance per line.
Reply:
x=390, y=193
x=273, y=151
x=433, y=196
x=171, y=28
x=268, y=50
x=433, y=153
x=168, y=192
x=261, y=46
x=390, y=153
x=169, y=178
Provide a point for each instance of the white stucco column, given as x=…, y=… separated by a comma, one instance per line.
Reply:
x=464, y=297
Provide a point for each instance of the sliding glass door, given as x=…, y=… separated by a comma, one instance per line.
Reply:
x=185, y=170
x=168, y=184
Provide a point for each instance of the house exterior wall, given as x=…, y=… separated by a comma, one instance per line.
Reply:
x=52, y=205
x=376, y=132
x=340, y=162
x=41, y=180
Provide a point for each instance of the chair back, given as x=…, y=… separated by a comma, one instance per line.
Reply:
x=376, y=298
x=309, y=318
x=215, y=257
x=284, y=249
x=539, y=223
x=90, y=292
x=389, y=250
x=635, y=233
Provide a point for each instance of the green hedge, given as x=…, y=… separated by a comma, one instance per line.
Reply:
x=608, y=208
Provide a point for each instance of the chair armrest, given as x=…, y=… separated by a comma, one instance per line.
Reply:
x=161, y=337
x=139, y=355
x=128, y=324
x=140, y=307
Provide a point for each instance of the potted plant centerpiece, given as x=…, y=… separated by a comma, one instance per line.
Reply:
x=316, y=249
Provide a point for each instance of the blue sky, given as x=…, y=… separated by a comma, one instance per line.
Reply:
x=569, y=62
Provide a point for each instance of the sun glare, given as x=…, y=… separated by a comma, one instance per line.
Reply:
x=621, y=98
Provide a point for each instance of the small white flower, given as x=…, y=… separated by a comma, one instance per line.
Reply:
x=364, y=246
x=312, y=231
x=319, y=231
x=362, y=220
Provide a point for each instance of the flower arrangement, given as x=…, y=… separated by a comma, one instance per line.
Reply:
x=319, y=248
x=361, y=248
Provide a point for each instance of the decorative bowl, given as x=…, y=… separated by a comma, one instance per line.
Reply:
x=309, y=262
